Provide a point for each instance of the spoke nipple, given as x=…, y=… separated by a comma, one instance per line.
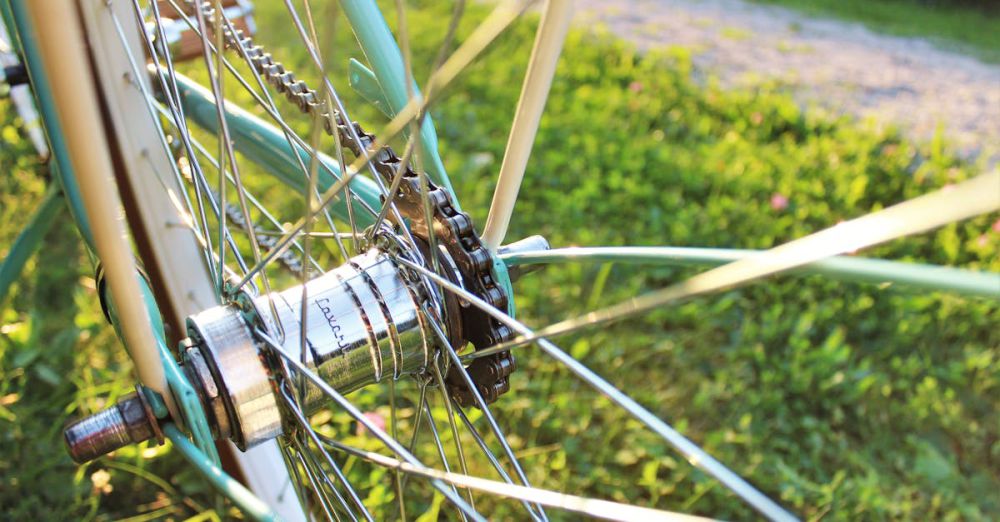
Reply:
x=129, y=421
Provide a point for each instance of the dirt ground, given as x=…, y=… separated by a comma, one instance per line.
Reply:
x=840, y=66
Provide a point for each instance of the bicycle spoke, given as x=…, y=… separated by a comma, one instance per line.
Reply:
x=482, y=444
x=313, y=482
x=498, y=20
x=313, y=149
x=397, y=482
x=442, y=54
x=451, y=423
x=694, y=454
x=303, y=423
x=215, y=79
x=352, y=410
x=967, y=199
x=440, y=447
x=290, y=235
x=587, y=506
x=137, y=82
x=356, y=234
x=266, y=102
x=329, y=34
x=366, y=154
x=172, y=116
x=845, y=268
x=480, y=402
x=472, y=430
x=298, y=486
x=259, y=207
x=484, y=34
x=413, y=141
x=225, y=146
x=306, y=246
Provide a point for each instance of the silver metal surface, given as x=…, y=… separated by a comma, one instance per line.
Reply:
x=199, y=373
x=363, y=324
x=129, y=421
x=93, y=436
x=528, y=244
x=242, y=380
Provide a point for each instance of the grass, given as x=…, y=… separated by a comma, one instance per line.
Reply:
x=839, y=400
x=973, y=28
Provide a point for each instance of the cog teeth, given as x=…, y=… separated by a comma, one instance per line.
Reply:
x=472, y=258
x=489, y=392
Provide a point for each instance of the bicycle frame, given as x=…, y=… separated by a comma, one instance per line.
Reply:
x=386, y=87
x=263, y=144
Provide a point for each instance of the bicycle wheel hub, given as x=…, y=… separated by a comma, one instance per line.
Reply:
x=359, y=324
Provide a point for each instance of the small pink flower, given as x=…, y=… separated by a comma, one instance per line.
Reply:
x=996, y=226
x=779, y=201
x=635, y=87
x=982, y=240
x=373, y=417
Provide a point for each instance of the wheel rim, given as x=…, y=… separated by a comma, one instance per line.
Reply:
x=308, y=451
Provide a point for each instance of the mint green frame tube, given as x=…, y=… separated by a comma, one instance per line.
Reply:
x=386, y=60
x=62, y=169
x=267, y=146
x=247, y=501
x=853, y=269
x=29, y=239
x=15, y=15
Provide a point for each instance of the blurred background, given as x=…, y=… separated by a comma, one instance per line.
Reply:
x=690, y=123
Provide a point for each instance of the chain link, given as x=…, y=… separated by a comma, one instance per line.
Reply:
x=453, y=229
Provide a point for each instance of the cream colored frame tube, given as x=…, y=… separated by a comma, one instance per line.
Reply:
x=63, y=48
x=172, y=250
x=541, y=68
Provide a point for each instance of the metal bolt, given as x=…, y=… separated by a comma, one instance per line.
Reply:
x=129, y=421
x=198, y=373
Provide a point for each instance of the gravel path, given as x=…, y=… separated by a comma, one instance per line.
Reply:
x=841, y=66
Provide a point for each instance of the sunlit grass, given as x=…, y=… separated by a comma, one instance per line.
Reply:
x=845, y=400
x=972, y=27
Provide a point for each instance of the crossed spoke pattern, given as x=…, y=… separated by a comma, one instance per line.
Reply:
x=430, y=444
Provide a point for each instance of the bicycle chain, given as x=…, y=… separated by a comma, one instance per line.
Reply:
x=288, y=259
x=454, y=229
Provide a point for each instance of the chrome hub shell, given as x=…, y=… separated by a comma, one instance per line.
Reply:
x=363, y=324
